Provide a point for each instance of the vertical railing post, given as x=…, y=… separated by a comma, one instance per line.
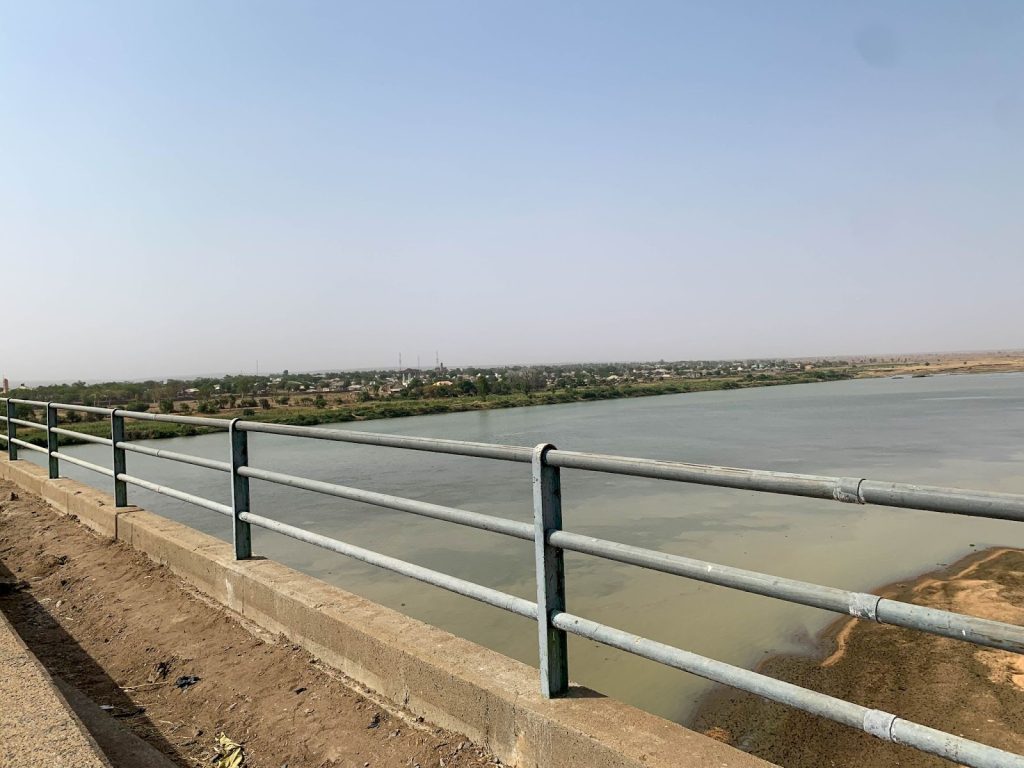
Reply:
x=51, y=441
x=12, y=431
x=550, y=561
x=120, y=468
x=240, y=491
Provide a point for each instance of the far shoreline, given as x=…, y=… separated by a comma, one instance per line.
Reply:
x=401, y=408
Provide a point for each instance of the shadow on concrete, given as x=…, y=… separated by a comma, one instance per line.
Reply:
x=579, y=692
x=67, y=662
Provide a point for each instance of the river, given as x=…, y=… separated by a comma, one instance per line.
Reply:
x=962, y=431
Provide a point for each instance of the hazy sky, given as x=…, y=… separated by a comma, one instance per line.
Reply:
x=188, y=187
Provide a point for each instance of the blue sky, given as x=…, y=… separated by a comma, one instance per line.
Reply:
x=192, y=186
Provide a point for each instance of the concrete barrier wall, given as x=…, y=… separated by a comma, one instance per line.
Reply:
x=457, y=684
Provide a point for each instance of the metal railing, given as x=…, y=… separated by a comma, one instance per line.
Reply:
x=554, y=622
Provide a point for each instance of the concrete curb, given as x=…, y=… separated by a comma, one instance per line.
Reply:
x=119, y=744
x=452, y=682
x=37, y=724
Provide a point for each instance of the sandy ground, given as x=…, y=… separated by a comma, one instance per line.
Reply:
x=123, y=631
x=967, y=690
x=968, y=362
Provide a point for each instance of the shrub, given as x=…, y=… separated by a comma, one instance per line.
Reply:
x=24, y=412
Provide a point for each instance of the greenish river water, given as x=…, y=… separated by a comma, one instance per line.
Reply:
x=965, y=431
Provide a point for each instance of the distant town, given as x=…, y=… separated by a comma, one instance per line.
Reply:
x=319, y=389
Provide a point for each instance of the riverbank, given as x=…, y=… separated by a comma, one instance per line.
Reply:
x=967, y=690
x=397, y=408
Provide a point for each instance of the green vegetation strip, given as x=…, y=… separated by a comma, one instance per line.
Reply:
x=396, y=408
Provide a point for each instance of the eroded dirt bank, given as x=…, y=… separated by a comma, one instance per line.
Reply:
x=970, y=691
x=124, y=631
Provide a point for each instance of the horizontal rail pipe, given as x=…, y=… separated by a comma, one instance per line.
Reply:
x=197, y=421
x=484, y=594
x=846, y=489
x=183, y=458
x=83, y=409
x=85, y=438
x=853, y=490
x=174, y=493
x=30, y=424
x=422, y=508
x=993, y=634
x=82, y=463
x=429, y=444
x=27, y=445
x=875, y=722
x=1000, y=506
x=19, y=401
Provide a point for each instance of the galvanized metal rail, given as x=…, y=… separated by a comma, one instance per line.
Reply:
x=551, y=542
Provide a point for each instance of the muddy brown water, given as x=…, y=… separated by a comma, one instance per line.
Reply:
x=965, y=431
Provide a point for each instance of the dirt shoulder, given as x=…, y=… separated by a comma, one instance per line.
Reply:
x=974, y=692
x=123, y=630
